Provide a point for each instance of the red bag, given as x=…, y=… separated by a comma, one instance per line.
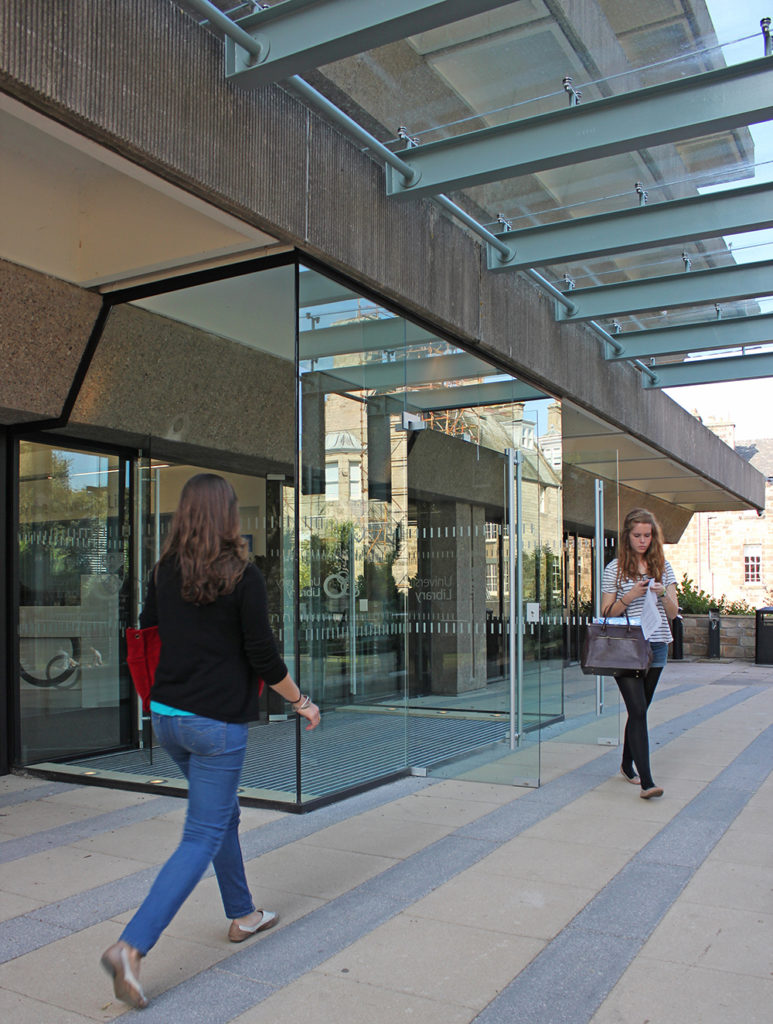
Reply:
x=143, y=649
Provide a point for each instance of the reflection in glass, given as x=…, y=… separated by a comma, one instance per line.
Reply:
x=73, y=598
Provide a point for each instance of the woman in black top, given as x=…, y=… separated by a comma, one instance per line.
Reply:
x=209, y=604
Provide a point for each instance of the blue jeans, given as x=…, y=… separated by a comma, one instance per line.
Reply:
x=210, y=754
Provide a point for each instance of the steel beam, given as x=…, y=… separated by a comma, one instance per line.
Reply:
x=406, y=373
x=316, y=290
x=474, y=396
x=711, y=371
x=701, y=337
x=688, y=107
x=391, y=333
x=298, y=35
x=702, y=287
x=684, y=220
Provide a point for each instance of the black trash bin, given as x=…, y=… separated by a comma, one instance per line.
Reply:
x=714, y=648
x=677, y=632
x=763, y=643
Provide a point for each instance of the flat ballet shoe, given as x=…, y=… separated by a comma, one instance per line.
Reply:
x=633, y=779
x=648, y=794
x=126, y=984
x=239, y=932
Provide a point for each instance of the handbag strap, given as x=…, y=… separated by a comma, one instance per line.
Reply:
x=627, y=620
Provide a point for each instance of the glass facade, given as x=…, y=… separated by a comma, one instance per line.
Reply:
x=73, y=598
x=404, y=499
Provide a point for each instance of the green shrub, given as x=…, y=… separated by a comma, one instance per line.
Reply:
x=694, y=601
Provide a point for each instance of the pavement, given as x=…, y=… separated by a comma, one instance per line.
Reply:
x=443, y=901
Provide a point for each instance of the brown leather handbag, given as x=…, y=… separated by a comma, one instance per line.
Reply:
x=614, y=649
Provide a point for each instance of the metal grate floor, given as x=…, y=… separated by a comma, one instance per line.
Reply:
x=348, y=749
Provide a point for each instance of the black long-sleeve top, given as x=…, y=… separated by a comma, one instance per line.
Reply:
x=212, y=655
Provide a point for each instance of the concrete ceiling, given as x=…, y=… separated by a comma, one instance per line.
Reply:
x=83, y=214
x=602, y=450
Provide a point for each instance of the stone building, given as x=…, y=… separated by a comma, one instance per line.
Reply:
x=731, y=553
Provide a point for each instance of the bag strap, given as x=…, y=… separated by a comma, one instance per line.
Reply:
x=627, y=620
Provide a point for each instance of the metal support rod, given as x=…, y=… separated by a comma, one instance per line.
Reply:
x=645, y=370
x=352, y=618
x=571, y=307
x=225, y=24
x=594, y=325
x=351, y=126
x=519, y=585
x=575, y=96
x=245, y=40
x=515, y=646
x=512, y=652
x=484, y=233
x=766, y=40
x=599, y=572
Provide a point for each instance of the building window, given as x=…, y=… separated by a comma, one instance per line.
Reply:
x=752, y=563
x=331, y=481
x=492, y=531
x=556, y=573
x=492, y=580
x=355, y=481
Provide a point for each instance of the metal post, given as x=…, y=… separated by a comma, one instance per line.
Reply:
x=519, y=584
x=599, y=554
x=352, y=618
x=512, y=649
x=515, y=562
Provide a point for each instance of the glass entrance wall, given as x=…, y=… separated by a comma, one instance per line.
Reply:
x=404, y=546
x=74, y=599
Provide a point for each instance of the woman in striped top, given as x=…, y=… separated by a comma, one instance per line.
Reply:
x=640, y=566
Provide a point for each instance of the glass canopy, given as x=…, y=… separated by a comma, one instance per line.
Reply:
x=520, y=62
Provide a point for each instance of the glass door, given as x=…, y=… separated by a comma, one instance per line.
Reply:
x=74, y=597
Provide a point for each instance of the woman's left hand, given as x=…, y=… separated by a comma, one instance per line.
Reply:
x=311, y=713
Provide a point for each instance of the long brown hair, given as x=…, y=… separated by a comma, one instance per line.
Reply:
x=628, y=559
x=205, y=539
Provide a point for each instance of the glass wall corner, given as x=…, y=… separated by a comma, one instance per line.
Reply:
x=422, y=656
x=403, y=497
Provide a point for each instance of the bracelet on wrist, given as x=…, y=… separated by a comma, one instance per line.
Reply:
x=303, y=701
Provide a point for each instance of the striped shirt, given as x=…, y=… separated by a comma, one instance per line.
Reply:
x=610, y=585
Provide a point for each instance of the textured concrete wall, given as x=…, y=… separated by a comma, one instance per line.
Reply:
x=144, y=78
x=46, y=325
x=162, y=386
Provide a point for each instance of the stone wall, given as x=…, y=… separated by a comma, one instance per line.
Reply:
x=736, y=636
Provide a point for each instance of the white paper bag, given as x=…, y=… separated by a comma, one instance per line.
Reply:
x=650, y=616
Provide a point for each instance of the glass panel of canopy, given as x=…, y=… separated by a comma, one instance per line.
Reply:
x=532, y=58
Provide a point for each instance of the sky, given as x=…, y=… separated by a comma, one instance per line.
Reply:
x=748, y=404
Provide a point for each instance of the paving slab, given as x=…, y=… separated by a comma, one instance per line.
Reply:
x=451, y=900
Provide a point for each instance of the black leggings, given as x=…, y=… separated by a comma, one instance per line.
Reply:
x=638, y=693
